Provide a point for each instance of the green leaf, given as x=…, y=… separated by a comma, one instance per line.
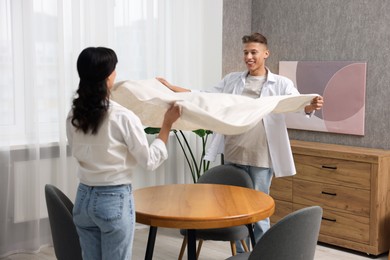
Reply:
x=152, y=130
x=202, y=132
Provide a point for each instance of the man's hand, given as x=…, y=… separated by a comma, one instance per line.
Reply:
x=172, y=87
x=315, y=104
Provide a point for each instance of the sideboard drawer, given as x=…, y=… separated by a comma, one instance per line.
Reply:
x=338, y=198
x=333, y=171
x=344, y=226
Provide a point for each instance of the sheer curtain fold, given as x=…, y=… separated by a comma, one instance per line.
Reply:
x=39, y=44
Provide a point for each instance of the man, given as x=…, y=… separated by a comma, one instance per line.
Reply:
x=265, y=149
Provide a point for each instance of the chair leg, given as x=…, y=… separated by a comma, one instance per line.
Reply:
x=233, y=248
x=183, y=248
x=199, y=248
x=243, y=243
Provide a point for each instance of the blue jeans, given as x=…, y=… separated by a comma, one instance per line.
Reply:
x=105, y=220
x=261, y=178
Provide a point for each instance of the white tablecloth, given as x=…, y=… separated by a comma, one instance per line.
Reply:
x=221, y=113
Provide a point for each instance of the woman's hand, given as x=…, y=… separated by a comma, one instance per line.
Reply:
x=170, y=117
x=172, y=114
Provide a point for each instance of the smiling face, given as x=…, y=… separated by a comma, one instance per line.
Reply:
x=255, y=55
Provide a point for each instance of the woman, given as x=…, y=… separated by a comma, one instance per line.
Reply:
x=108, y=142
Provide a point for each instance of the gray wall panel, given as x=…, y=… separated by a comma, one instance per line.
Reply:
x=330, y=30
x=237, y=19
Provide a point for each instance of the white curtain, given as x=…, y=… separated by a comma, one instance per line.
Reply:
x=40, y=40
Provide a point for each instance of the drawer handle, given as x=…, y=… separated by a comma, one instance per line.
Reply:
x=329, y=193
x=329, y=219
x=329, y=167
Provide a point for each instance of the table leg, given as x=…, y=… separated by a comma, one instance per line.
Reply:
x=150, y=245
x=251, y=235
x=191, y=246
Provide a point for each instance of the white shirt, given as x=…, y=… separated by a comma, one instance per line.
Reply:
x=110, y=156
x=275, y=127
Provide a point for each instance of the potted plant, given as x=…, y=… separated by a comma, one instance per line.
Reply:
x=196, y=164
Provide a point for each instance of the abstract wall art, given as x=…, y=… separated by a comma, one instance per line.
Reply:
x=343, y=86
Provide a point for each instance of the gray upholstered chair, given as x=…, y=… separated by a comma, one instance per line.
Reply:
x=294, y=237
x=227, y=175
x=65, y=238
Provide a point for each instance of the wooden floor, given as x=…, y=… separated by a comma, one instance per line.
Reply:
x=168, y=244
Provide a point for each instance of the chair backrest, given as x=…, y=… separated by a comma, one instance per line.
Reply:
x=294, y=237
x=228, y=175
x=65, y=238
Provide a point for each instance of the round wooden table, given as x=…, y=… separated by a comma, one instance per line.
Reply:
x=199, y=206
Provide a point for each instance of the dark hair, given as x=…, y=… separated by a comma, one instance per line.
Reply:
x=90, y=107
x=254, y=37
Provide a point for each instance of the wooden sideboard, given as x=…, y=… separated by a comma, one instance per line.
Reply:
x=351, y=184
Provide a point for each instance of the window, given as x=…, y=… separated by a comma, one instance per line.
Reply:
x=31, y=90
x=40, y=41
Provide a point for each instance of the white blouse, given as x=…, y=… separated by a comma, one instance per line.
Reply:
x=110, y=156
